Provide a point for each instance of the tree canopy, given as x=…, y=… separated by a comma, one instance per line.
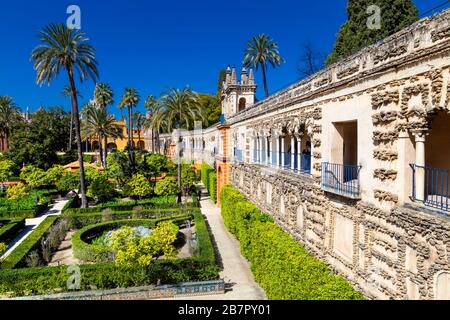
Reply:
x=355, y=33
x=36, y=142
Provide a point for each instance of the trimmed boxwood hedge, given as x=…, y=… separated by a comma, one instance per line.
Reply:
x=10, y=229
x=279, y=264
x=86, y=252
x=74, y=202
x=17, y=257
x=46, y=280
x=147, y=204
x=80, y=220
x=26, y=213
x=209, y=179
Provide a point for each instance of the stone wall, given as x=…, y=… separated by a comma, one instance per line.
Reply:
x=400, y=254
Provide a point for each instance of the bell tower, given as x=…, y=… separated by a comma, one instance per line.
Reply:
x=237, y=95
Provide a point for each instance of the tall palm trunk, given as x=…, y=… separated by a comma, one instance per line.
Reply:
x=71, y=131
x=179, y=159
x=153, y=140
x=76, y=117
x=139, y=138
x=266, y=89
x=100, y=148
x=7, y=140
x=130, y=137
x=106, y=150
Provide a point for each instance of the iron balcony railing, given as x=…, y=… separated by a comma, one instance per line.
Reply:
x=238, y=155
x=435, y=189
x=341, y=179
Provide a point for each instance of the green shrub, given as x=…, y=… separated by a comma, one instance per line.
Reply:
x=28, y=207
x=10, y=228
x=166, y=187
x=279, y=264
x=17, y=257
x=209, y=179
x=80, y=220
x=46, y=280
x=119, y=205
x=87, y=252
x=205, y=170
x=213, y=186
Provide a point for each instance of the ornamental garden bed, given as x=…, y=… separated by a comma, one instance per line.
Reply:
x=9, y=228
x=30, y=206
x=98, y=272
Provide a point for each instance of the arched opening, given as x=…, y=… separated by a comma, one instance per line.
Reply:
x=141, y=145
x=111, y=146
x=242, y=104
x=95, y=145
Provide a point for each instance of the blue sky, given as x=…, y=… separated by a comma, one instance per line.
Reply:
x=153, y=45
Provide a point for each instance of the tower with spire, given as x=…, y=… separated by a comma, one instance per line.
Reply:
x=237, y=95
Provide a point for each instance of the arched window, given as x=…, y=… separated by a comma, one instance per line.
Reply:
x=242, y=103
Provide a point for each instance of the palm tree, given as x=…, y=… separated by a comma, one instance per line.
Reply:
x=139, y=121
x=64, y=48
x=104, y=96
x=150, y=105
x=66, y=92
x=130, y=99
x=9, y=114
x=176, y=109
x=97, y=122
x=262, y=50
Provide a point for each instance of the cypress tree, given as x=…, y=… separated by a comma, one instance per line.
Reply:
x=222, y=75
x=355, y=34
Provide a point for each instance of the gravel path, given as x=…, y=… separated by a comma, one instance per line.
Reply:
x=236, y=269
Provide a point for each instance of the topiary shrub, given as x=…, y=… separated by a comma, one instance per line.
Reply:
x=279, y=264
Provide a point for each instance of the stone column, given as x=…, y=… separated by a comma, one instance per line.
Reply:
x=270, y=148
x=292, y=152
x=420, y=164
x=261, y=148
x=266, y=149
x=299, y=152
x=282, y=154
x=277, y=151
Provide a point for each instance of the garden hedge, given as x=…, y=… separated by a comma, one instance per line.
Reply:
x=151, y=203
x=17, y=257
x=209, y=179
x=86, y=252
x=73, y=202
x=79, y=220
x=279, y=264
x=27, y=207
x=46, y=280
x=10, y=229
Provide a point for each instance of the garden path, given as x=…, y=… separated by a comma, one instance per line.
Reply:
x=31, y=224
x=239, y=282
x=64, y=254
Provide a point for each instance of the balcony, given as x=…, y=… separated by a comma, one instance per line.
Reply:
x=430, y=186
x=343, y=180
x=285, y=160
x=238, y=155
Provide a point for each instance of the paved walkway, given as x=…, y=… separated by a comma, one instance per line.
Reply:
x=64, y=254
x=236, y=269
x=31, y=224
